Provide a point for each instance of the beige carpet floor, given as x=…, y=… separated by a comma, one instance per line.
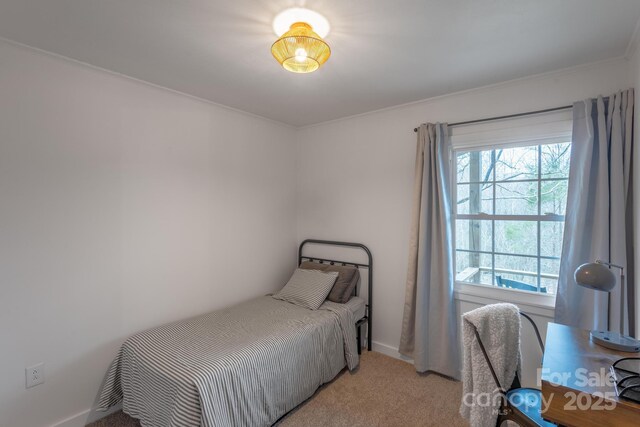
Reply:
x=382, y=392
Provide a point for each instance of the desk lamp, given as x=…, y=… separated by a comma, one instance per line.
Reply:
x=598, y=276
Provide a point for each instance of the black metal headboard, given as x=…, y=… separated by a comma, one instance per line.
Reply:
x=368, y=266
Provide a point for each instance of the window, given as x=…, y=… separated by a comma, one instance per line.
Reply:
x=509, y=207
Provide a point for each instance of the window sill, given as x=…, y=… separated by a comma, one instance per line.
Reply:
x=484, y=294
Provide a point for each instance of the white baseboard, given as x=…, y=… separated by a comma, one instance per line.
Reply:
x=390, y=351
x=81, y=419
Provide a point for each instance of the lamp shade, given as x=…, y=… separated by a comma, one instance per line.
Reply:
x=300, y=50
x=594, y=275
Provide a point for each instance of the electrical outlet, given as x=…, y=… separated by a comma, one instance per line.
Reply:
x=34, y=375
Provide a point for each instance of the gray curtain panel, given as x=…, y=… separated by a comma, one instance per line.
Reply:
x=599, y=219
x=429, y=330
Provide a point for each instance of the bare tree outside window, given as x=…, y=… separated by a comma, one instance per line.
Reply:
x=510, y=206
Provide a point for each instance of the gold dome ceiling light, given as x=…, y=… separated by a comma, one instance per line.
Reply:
x=301, y=49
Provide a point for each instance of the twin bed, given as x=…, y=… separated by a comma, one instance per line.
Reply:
x=246, y=365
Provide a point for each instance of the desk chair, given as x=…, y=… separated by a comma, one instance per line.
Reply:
x=519, y=404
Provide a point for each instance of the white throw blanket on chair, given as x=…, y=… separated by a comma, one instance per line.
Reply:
x=499, y=328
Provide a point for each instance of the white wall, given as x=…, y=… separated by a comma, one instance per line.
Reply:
x=123, y=206
x=355, y=175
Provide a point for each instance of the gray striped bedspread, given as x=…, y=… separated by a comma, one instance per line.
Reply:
x=245, y=365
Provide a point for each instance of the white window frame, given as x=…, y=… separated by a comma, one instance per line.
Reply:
x=538, y=130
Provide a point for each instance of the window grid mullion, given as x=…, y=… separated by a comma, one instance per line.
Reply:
x=529, y=218
x=493, y=221
x=453, y=170
x=539, y=262
x=508, y=181
x=506, y=254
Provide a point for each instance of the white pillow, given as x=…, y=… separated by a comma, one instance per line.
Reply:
x=307, y=288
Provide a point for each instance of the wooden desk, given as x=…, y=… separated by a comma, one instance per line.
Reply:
x=581, y=398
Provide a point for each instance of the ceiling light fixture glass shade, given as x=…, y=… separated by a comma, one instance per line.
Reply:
x=301, y=50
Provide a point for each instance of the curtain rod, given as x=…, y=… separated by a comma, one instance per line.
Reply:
x=510, y=116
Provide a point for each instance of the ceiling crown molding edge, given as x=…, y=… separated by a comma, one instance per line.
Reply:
x=479, y=89
x=143, y=82
x=634, y=42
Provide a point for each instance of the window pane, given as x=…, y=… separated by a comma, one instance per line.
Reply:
x=473, y=235
x=462, y=265
x=468, y=201
x=517, y=198
x=517, y=163
x=474, y=166
x=463, y=166
x=517, y=272
x=548, y=285
x=486, y=166
x=462, y=196
x=473, y=268
x=516, y=237
x=555, y=160
x=554, y=196
x=549, y=269
x=551, y=238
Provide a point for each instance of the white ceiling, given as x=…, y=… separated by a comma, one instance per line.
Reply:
x=384, y=52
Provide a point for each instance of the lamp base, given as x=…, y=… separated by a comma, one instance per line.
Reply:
x=615, y=341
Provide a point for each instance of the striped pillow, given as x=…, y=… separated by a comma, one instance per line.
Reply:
x=307, y=288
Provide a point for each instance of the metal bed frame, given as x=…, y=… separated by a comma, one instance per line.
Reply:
x=369, y=266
